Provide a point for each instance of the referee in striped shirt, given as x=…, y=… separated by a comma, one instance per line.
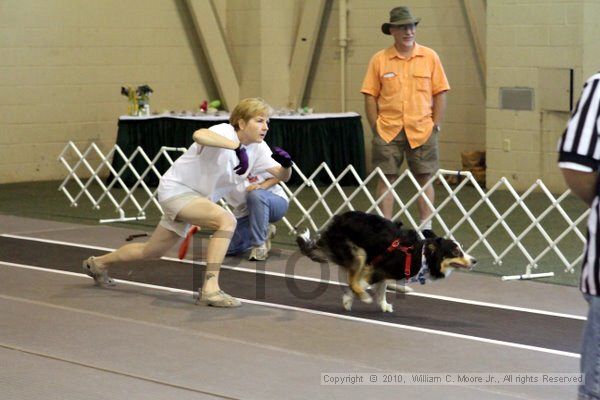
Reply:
x=579, y=160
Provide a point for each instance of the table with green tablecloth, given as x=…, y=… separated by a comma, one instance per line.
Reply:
x=336, y=139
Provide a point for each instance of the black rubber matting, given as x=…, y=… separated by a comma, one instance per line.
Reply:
x=550, y=332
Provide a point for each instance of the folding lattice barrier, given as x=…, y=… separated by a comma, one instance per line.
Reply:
x=497, y=223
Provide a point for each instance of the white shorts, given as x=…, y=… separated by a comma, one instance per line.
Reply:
x=171, y=207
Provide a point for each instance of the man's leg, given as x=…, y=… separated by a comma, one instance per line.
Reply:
x=387, y=204
x=590, y=352
x=424, y=210
x=388, y=157
x=423, y=162
x=263, y=207
x=258, y=216
x=241, y=237
x=278, y=207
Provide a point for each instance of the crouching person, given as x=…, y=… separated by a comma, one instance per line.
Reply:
x=257, y=204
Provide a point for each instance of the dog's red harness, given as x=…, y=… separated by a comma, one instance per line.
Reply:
x=395, y=246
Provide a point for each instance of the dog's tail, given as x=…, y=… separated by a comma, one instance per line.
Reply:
x=310, y=248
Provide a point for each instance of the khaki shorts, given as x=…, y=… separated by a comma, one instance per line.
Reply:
x=171, y=207
x=421, y=160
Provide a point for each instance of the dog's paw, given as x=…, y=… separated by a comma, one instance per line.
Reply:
x=366, y=298
x=386, y=307
x=305, y=235
x=347, y=300
x=404, y=289
x=400, y=287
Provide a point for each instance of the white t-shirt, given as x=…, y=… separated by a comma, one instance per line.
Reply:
x=236, y=199
x=209, y=171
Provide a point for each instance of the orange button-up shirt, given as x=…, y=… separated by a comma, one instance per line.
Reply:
x=404, y=89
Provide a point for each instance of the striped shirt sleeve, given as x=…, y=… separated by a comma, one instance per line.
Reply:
x=579, y=144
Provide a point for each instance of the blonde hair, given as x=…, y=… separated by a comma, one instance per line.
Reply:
x=248, y=109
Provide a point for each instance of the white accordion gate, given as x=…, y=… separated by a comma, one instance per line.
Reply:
x=475, y=220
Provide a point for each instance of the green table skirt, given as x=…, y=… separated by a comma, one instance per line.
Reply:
x=335, y=141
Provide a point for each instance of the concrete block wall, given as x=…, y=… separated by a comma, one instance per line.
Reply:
x=523, y=38
x=62, y=64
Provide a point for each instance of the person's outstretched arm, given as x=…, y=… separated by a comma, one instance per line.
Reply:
x=206, y=137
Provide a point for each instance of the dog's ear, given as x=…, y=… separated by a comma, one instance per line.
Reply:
x=398, y=224
x=429, y=234
x=434, y=244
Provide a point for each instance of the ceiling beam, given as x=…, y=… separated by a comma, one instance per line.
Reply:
x=475, y=14
x=304, y=48
x=215, y=46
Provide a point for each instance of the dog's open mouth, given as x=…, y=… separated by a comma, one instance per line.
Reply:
x=461, y=266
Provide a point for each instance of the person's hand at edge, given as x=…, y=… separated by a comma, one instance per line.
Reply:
x=282, y=157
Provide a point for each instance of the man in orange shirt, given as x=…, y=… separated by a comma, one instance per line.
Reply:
x=405, y=98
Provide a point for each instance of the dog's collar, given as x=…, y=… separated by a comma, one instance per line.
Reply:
x=395, y=246
x=420, y=277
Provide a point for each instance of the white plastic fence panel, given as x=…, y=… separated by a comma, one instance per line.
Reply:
x=321, y=195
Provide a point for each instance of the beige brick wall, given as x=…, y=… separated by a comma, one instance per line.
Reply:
x=591, y=33
x=62, y=64
x=523, y=38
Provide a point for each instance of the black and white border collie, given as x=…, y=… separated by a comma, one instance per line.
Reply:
x=373, y=249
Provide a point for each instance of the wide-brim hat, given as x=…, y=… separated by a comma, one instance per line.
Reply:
x=399, y=16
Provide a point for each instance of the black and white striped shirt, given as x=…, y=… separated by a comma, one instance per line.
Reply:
x=579, y=149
